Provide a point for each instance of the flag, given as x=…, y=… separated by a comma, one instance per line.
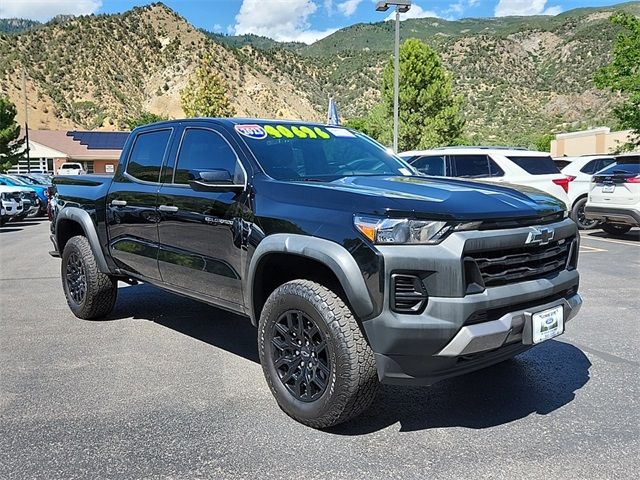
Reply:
x=332, y=114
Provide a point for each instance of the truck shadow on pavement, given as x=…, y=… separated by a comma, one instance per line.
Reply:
x=539, y=381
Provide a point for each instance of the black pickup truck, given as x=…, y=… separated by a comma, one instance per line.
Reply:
x=355, y=268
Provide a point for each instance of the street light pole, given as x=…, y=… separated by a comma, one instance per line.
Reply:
x=396, y=86
x=402, y=6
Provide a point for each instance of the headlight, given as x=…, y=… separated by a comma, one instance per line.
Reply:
x=395, y=231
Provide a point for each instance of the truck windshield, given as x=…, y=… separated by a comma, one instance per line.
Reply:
x=312, y=153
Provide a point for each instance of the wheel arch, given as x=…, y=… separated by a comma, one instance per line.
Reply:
x=314, y=259
x=72, y=221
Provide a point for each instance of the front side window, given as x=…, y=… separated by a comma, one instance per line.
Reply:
x=147, y=154
x=205, y=150
x=430, y=165
x=594, y=165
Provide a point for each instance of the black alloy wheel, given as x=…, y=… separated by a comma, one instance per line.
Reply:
x=301, y=355
x=76, y=278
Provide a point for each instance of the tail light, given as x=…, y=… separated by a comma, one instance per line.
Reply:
x=635, y=179
x=563, y=182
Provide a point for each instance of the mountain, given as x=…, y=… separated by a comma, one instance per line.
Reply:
x=95, y=71
x=519, y=77
x=17, y=25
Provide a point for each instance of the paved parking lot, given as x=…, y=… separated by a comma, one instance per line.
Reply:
x=170, y=388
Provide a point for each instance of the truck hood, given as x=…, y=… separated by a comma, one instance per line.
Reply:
x=423, y=197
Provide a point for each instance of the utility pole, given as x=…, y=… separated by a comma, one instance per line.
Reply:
x=26, y=121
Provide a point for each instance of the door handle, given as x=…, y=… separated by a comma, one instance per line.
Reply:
x=118, y=203
x=168, y=208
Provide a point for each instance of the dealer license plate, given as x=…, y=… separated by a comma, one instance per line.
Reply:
x=547, y=324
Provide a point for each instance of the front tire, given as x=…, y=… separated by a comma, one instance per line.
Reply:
x=90, y=293
x=578, y=216
x=614, y=229
x=315, y=358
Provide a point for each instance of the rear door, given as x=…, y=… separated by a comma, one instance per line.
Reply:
x=132, y=216
x=432, y=165
x=202, y=232
x=481, y=167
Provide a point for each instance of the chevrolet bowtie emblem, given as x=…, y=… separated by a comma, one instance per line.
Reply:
x=539, y=236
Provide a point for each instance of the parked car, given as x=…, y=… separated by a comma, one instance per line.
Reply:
x=38, y=201
x=34, y=179
x=71, y=168
x=579, y=171
x=614, y=195
x=354, y=267
x=12, y=205
x=493, y=164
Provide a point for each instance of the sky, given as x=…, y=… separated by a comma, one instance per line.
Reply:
x=293, y=20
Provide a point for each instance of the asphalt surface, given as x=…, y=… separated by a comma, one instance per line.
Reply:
x=170, y=388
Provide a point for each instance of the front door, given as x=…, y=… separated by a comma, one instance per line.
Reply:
x=201, y=233
x=132, y=215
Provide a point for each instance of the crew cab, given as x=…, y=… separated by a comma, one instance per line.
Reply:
x=355, y=268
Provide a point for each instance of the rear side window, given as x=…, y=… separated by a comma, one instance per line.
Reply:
x=596, y=165
x=561, y=163
x=475, y=166
x=203, y=150
x=430, y=165
x=147, y=154
x=535, y=165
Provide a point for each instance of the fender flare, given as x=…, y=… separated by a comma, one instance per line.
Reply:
x=329, y=253
x=83, y=218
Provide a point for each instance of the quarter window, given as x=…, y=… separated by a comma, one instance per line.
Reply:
x=205, y=150
x=147, y=154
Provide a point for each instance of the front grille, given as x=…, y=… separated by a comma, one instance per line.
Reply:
x=501, y=267
x=408, y=294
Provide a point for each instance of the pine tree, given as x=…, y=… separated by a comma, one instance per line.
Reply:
x=206, y=94
x=429, y=112
x=10, y=147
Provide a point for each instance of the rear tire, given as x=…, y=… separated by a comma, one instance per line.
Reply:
x=90, y=293
x=315, y=358
x=577, y=215
x=614, y=229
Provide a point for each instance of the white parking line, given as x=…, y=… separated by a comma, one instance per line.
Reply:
x=585, y=249
x=610, y=240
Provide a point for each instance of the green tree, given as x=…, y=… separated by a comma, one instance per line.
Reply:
x=10, y=146
x=429, y=112
x=376, y=124
x=543, y=142
x=143, y=118
x=622, y=75
x=206, y=94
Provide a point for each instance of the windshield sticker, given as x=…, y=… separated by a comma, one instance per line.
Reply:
x=341, y=132
x=310, y=133
x=298, y=132
x=273, y=132
x=251, y=131
x=285, y=131
x=321, y=133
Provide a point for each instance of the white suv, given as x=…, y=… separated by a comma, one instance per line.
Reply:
x=614, y=195
x=494, y=164
x=579, y=171
x=71, y=169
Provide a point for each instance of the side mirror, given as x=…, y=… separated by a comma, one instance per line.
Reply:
x=215, y=180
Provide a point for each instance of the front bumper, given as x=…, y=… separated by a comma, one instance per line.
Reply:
x=625, y=216
x=466, y=331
